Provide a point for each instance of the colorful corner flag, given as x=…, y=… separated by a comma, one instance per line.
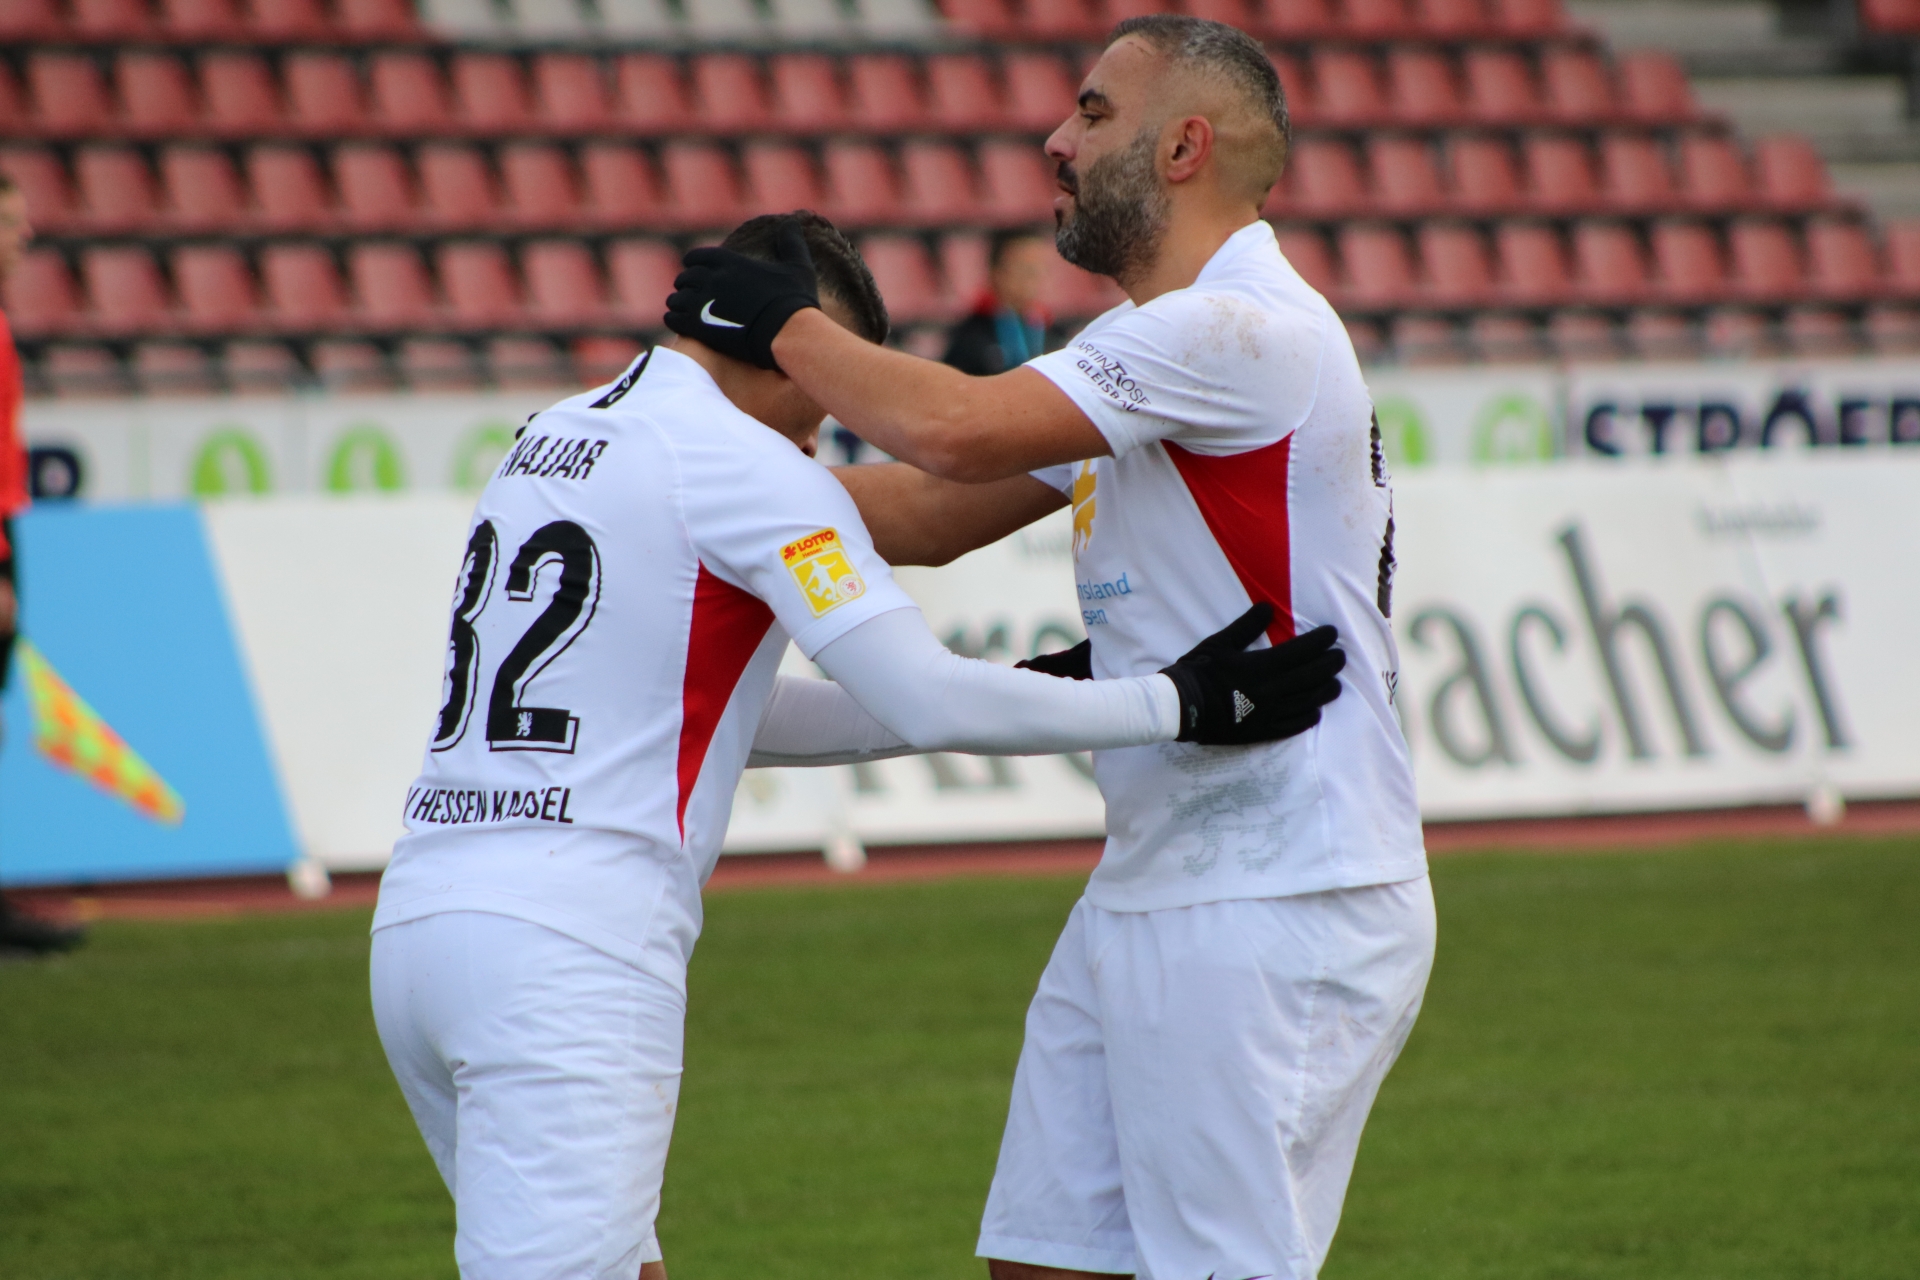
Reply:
x=73, y=736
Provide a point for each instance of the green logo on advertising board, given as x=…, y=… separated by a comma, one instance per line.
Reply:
x=1513, y=428
x=1403, y=432
x=365, y=458
x=230, y=460
x=478, y=453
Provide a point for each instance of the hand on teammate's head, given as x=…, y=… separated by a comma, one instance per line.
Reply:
x=737, y=304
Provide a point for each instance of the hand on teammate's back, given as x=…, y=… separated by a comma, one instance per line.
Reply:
x=1230, y=696
x=1069, y=664
x=736, y=304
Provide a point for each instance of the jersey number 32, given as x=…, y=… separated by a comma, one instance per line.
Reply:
x=510, y=725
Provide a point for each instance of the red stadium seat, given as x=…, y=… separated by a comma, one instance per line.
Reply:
x=1404, y=177
x=286, y=19
x=390, y=285
x=1559, y=172
x=1577, y=87
x=68, y=95
x=302, y=286
x=1235, y=13
x=963, y=265
x=1060, y=20
x=1421, y=86
x=115, y=187
x=1791, y=172
x=979, y=17
x=1766, y=258
x=569, y=91
x=1840, y=258
x=1325, y=177
x=1583, y=335
x=780, y=178
x=1687, y=260
x=112, y=18
x=156, y=94
x=437, y=364
x=478, y=282
x=323, y=94
x=239, y=92
x=215, y=286
x=1346, y=85
x=373, y=183
x=1483, y=172
x=124, y=286
x=1453, y=260
x=728, y=92
x=288, y=190
x=1293, y=85
x=1895, y=16
x=1653, y=86
x=13, y=109
x=1636, y=171
x=904, y=272
x=490, y=92
x=539, y=183
x=375, y=17
x=962, y=92
x=1306, y=249
x=641, y=274
x=1819, y=331
x=1608, y=264
x=1533, y=263
x=1376, y=18
x=1295, y=17
x=619, y=184
x=408, y=96
x=1528, y=17
x=1449, y=17
x=1017, y=182
x=1500, y=87
x=886, y=94
x=1712, y=171
x=806, y=92
x=201, y=19
x=40, y=294
x=563, y=285
x=1377, y=270
x=649, y=93
x=1903, y=255
x=202, y=188
x=938, y=183
x=456, y=188
x=25, y=20
x=861, y=186
x=42, y=180
x=1040, y=92
x=701, y=186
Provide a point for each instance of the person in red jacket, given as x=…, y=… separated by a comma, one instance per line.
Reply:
x=18, y=931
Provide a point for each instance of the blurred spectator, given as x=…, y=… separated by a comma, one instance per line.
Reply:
x=18, y=930
x=1007, y=328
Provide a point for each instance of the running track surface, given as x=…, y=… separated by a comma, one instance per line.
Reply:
x=185, y=899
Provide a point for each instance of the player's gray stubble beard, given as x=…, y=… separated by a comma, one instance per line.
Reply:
x=1120, y=211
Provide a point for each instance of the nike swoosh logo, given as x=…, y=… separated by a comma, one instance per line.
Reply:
x=707, y=317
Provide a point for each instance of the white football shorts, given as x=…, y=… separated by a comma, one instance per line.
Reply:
x=544, y=1075
x=1193, y=1084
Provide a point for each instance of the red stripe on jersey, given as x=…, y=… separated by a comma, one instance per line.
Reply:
x=1243, y=499
x=728, y=625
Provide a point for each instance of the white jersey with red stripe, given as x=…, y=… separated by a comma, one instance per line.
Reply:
x=1245, y=467
x=633, y=571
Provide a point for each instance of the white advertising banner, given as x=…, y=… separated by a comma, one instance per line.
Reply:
x=1483, y=416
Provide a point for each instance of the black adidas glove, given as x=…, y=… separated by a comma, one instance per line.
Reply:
x=1069, y=664
x=1230, y=696
x=736, y=304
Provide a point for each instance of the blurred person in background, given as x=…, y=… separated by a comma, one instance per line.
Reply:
x=1007, y=327
x=18, y=930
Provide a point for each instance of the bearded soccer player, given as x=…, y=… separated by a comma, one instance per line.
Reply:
x=633, y=573
x=1251, y=952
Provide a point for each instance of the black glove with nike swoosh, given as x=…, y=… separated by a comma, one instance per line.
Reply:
x=1069, y=664
x=736, y=304
x=1230, y=696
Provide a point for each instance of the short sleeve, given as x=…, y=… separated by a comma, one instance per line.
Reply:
x=784, y=530
x=1060, y=477
x=1210, y=369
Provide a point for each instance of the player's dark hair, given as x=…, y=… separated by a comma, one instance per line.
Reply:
x=1005, y=239
x=838, y=265
x=1215, y=48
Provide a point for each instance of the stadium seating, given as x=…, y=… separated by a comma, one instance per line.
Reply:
x=1468, y=177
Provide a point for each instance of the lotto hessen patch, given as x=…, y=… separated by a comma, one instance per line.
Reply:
x=820, y=566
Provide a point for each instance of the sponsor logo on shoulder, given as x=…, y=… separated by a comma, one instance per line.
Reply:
x=823, y=571
x=1111, y=376
x=552, y=458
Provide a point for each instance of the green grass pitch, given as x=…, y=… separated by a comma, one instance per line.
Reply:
x=1693, y=1064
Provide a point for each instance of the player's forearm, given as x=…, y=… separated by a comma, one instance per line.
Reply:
x=809, y=723
x=938, y=701
x=916, y=518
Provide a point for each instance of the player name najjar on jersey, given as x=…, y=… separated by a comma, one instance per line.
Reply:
x=552, y=457
x=458, y=807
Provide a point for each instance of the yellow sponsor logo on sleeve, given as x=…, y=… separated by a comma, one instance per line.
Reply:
x=823, y=571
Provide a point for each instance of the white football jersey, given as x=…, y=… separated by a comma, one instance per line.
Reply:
x=633, y=572
x=1245, y=467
